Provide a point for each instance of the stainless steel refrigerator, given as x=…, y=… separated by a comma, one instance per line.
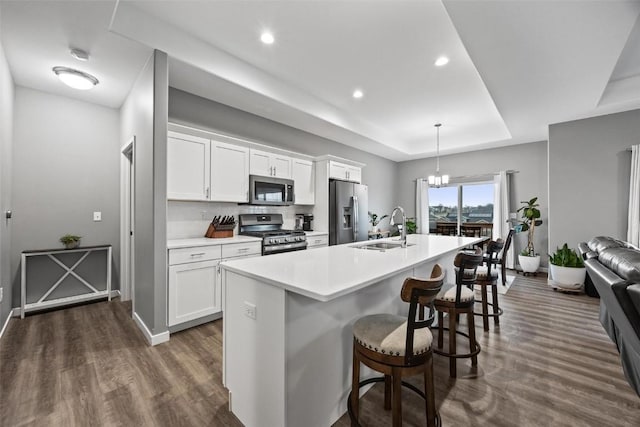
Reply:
x=348, y=217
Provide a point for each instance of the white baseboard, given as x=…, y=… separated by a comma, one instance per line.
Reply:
x=6, y=322
x=151, y=339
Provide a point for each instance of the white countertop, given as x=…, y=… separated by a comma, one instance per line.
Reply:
x=330, y=272
x=204, y=241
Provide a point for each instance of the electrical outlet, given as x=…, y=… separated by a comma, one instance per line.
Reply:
x=250, y=310
x=97, y=216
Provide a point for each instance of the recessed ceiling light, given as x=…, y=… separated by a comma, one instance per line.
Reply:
x=267, y=38
x=443, y=60
x=79, y=54
x=357, y=94
x=75, y=78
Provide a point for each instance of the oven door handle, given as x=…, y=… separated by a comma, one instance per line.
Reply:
x=355, y=218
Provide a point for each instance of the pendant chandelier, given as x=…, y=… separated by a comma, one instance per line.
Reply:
x=438, y=180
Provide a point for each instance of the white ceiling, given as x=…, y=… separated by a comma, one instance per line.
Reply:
x=516, y=66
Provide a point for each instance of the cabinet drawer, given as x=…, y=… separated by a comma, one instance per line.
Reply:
x=201, y=253
x=241, y=249
x=318, y=241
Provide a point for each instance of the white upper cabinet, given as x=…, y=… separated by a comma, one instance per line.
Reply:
x=229, y=172
x=270, y=164
x=188, y=167
x=303, y=174
x=345, y=172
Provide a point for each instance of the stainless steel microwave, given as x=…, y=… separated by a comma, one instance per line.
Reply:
x=265, y=190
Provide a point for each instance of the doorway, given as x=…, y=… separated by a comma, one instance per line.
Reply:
x=127, y=223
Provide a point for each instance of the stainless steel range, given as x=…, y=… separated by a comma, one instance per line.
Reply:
x=275, y=239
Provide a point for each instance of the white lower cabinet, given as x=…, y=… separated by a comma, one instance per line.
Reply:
x=195, y=284
x=194, y=291
x=314, y=242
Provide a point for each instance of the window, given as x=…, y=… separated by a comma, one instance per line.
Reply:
x=462, y=209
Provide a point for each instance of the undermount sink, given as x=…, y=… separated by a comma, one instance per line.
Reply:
x=380, y=246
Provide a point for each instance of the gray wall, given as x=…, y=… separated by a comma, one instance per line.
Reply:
x=379, y=174
x=65, y=167
x=530, y=160
x=589, y=177
x=144, y=115
x=6, y=144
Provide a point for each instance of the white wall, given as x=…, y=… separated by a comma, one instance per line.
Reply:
x=6, y=144
x=144, y=115
x=589, y=177
x=530, y=160
x=379, y=174
x=65, y=167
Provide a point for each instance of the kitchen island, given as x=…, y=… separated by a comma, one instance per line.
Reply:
x=288, y=323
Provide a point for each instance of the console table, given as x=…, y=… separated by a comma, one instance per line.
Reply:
x=75, y=263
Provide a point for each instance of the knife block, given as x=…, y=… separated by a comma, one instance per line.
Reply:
x=219, y=232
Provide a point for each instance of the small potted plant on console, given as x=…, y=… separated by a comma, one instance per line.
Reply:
x=567, y=269
x=70, y=241
x=529, y=260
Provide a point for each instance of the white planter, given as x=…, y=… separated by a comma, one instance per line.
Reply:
x=529, y=264
x=567, y=277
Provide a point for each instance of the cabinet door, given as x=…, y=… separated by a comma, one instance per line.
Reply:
x=281, y=165
x=229, y=173
x=337, y=170
x=194, y=291
x=354, y=174
x=188, y=166
x=304, y=182
x=260, y=163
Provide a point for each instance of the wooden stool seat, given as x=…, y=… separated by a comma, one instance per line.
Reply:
x=398, y=346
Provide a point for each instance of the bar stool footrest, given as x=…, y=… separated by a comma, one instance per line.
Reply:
x=499, y=313
x=457, y=356
x=354, y=421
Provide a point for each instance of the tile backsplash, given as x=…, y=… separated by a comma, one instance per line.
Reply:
x=191, y=219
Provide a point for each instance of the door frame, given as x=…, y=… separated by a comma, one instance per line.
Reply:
x=127, y=224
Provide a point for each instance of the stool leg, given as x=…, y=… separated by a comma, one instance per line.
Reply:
x=387, y=392
x=429, y=392
x=485, y=308
x=503, y=270
x=355, y=385
x=452, y=342
x=396, y=411
x=494, y=293
x=472, y=337
x=440, y=329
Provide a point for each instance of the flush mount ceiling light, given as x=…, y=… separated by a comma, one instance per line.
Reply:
x=357, y=94
x=438, y=180
x=75, y=78
x=267, y=38
x=443, y=60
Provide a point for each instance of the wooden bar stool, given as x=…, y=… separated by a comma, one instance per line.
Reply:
x=398, y=346
x=487, y=276
x=456, y=299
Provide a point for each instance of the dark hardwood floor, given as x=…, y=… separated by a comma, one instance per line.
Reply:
x=548, y=364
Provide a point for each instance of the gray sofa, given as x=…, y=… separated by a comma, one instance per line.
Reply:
x=614, y=268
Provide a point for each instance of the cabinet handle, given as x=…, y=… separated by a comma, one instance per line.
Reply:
x=270, y=170
x=218, y=269
x=243, y=249
x=275, y=173
x=207, y=192
x=198, y=254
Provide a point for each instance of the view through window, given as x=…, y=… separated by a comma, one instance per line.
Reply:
x=463, y=209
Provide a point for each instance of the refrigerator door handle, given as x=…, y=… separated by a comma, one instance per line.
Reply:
x=355, y=218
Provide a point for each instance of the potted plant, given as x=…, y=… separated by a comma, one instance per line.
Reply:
x=70, y=241
x=567, y=269
x=374, y=220
x=529, y=260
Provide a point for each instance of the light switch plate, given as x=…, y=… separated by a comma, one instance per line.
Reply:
x=97, y=216
x=1, y=294
x=250, y=310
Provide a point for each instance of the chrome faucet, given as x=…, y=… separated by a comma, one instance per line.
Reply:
x=403, y=231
